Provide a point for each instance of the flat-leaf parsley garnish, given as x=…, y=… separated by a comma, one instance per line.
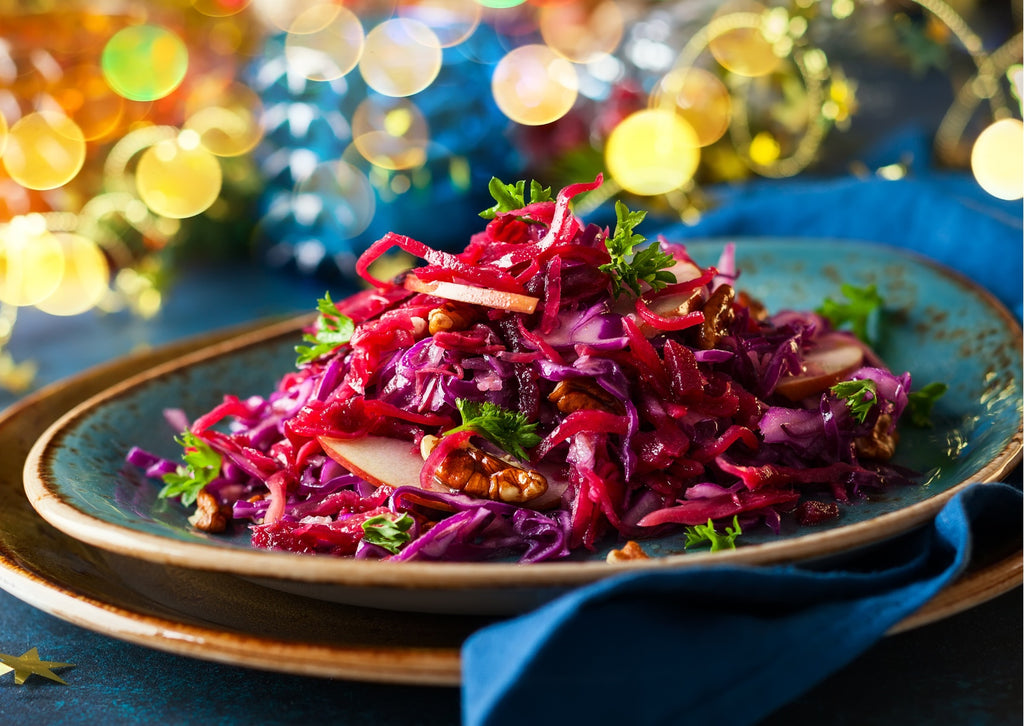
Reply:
x=387, y=532
x=512, y=197
x=860, y=395
x=921, y=401
x=202, y=465
x=330, y=330
x=629, y=267
x=699, y=534
x=509, y=430
x=856, y=312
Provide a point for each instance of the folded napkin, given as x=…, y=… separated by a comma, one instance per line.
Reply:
x=716, y=645
x=732, y=644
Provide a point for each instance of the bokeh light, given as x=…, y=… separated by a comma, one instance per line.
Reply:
x=86, y=98
x=178, y=178
x=501, y=4
x=324, y=42
x=220, y=8
x=390, y=133
x=452, y=21
x=144, y=62
x=229, y=123
x=401, y=57
x=700, y=98
x=533, y=85
x=31, y=261
x=3, y=134
x=738, y=42
x=652, y=152
x=86, y=277
x=44, y=150
x=582, y=31
x=341, y=193
x=997, y=159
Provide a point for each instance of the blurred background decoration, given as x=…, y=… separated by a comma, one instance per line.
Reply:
x=140, y=137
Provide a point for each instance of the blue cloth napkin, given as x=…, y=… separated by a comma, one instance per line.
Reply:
x=719, y=645
x=732, y=644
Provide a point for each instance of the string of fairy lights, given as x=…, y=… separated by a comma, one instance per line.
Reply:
x=122, y=129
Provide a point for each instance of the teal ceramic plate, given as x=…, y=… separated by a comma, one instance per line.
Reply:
x=938, y=325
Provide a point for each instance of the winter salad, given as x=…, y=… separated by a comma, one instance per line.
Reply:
x=554, y=386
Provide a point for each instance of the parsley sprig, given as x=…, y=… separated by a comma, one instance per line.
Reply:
x=856, y=313
x=330, y=330
x=860, y=395
x=387, y=532
x=202, y=465
x=921, y=401
x=629, y=267
x=512, y=197
x=509, y=430
x=700, y=534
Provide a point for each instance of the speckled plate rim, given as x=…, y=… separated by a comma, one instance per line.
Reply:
x=351, y=573
x=29, y=581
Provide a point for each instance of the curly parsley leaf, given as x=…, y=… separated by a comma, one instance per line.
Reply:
x=857, y=312
x=512, y=197
x=921, y=401
x=630, y=267
x=387, y=532
x=202, y=465
x=509, y=430
x=700, y=534
x=330, y=330
x=860, y=395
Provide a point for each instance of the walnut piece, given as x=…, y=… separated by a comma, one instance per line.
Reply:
x=718, y=315
x=209, y=516
x=577, y=394
x=880, y=444
x=629, y=552
x=474, y=472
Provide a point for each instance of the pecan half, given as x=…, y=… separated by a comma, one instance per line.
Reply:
x=880, y=444
x=629, y=552
x=718, y=315
x=452, y=316
x=577, y=394
x=210, y=515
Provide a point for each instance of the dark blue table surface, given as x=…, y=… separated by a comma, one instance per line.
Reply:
x=966, y=669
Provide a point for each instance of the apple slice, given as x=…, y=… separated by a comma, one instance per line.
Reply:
x=380, y=460
x=835, y=357
x=511, y=301
x=377, y=459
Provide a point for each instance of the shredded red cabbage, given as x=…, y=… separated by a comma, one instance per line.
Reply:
x=691, y=421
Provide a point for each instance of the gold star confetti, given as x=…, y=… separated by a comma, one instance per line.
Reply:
x=28, y=664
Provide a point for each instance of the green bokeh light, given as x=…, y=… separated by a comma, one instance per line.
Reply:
x=144, y=62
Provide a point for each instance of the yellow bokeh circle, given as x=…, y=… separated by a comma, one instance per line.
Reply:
x=144, y=62
x=324, y=42
x=390, y=133
x=228, y=123
x=44, y=150
x=534, y=85
x=997, y=159
x=400, y=57
x=86, y=277
x=652, y=152
x=700, y=98
x=31, y=264
x=582, y=31
x=178, y=178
